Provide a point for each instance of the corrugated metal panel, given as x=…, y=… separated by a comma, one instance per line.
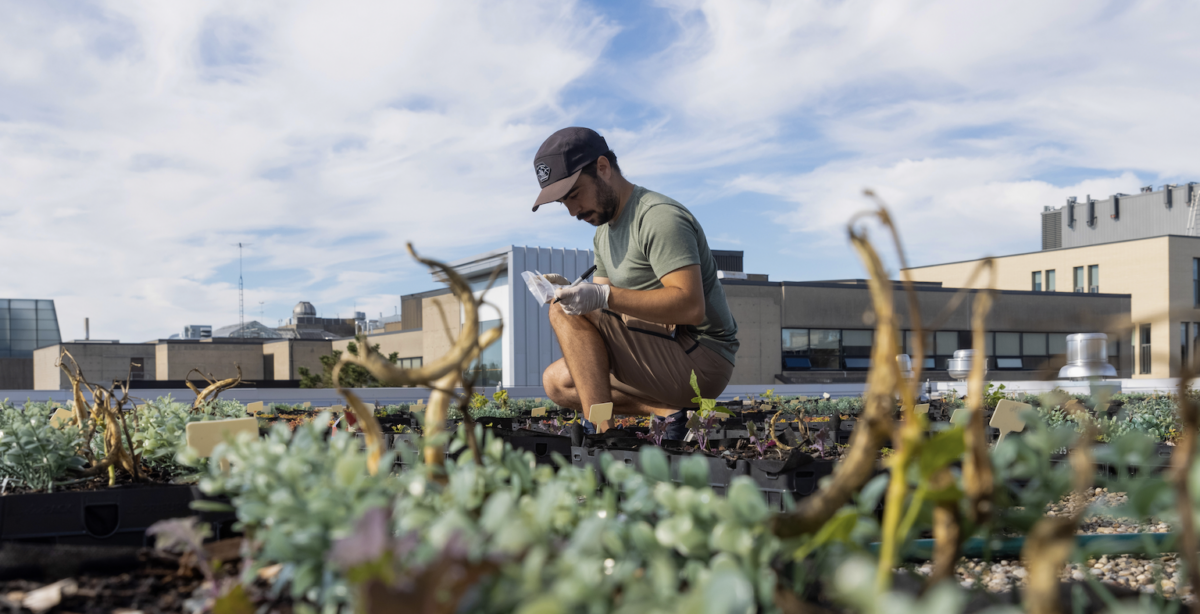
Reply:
x=1052, y=229
x=534, y=345
x=1141, y=216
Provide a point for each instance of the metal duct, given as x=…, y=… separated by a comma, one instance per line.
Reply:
x=959, y=367
x=905, y=363
x=1087, y=357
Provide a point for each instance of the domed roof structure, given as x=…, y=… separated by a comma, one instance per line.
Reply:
x=304, y=309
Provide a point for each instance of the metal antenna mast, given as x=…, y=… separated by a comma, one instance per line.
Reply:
x=241, y=294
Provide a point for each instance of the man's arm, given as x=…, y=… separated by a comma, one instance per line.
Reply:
x=679, y=301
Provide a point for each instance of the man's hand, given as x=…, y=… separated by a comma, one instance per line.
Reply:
x=583, y=298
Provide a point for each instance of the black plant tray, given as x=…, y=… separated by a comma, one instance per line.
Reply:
x=796, y=477
x=721, y=471
x=542, y=445
x=113, y=516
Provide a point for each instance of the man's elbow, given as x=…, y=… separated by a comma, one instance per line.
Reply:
x=695, y=316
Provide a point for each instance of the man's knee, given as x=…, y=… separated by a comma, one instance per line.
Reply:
x=556, y=378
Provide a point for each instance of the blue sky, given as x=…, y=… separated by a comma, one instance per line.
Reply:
x=139, y=141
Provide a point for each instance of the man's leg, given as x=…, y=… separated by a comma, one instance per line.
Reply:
x=561, y=389
x=581, y=377
x=586, y=358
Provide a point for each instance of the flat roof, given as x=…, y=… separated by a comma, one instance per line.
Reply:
x=1056, y=249
x=899, y=285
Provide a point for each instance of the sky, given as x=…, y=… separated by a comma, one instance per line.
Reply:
x=142, y=141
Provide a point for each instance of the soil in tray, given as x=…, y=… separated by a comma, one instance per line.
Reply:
x=149, y=477
x=103, y=580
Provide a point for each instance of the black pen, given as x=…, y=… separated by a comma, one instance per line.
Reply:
x=586, y=274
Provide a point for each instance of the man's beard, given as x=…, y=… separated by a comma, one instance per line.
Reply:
x=607, y=200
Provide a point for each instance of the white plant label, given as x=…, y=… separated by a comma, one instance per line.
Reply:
x=61, y=418
x=1007, y=418
x=600, y=412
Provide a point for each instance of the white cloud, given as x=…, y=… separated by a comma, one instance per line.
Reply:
x=967, y=118
x=141, y=140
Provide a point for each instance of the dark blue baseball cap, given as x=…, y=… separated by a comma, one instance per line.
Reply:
x=561, y=157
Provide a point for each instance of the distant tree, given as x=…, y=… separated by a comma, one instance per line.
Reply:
x=352, y=376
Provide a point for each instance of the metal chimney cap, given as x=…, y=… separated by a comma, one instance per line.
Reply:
x=959, y=367
x=1087, y=357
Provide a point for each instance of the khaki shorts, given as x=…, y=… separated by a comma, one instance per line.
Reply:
x=648, y=362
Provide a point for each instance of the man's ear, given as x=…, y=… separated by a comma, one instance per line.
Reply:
x=603, y=168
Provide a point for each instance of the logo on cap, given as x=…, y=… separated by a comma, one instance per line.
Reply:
x=543, y=172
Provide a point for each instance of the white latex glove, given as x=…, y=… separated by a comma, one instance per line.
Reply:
x=556, y=279
x=583, y=298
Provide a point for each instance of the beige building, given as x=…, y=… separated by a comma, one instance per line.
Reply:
x=102, y=362
x=1141, y=245
x=1158, y=273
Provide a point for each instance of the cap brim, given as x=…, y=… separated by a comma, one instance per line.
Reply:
x=556, y=190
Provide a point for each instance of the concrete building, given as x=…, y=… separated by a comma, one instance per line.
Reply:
x=102, y=362
x=818, y=332
x=25, y=325
x=1138, y=245
x=790, y=332
x=283, y=358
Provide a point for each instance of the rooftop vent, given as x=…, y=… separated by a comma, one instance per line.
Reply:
x=1087, y=357
x=905, y=363
x=1146, y=189
x=959, y=367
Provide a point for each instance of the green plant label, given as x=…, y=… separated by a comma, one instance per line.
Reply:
x=922, y=409
x=538, y=411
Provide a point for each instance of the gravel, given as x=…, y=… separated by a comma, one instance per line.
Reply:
x=1140, y=573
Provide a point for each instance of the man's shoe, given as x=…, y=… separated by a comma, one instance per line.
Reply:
x=676, y=425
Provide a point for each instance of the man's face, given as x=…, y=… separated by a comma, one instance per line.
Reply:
x=592, y=200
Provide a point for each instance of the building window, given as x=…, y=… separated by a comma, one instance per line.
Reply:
x=1008, y=351
x=824, y=348
x=1196, y=281
x=1183, y=344
x=487, y=368
x=1079, y=287
x=1050, y=280
x=1144, y=354
x=1056, y=343
x=856, y=349
x=1195, y=341
x=1037, y=281
x=795, y=349
x=409, y=363
x=1094, y=278
x=928, y=349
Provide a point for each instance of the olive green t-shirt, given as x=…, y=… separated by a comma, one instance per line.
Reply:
x=656, y=235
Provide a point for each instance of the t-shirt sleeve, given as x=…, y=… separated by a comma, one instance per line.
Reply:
x=669, y=239
x=600, y=270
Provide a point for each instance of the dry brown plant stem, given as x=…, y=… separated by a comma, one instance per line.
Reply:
x=1052, y=538
x=214, y=387
x=103, y=400
x=443, y=375
x=977, y=465
x=1182, y=461
x=874, y=425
